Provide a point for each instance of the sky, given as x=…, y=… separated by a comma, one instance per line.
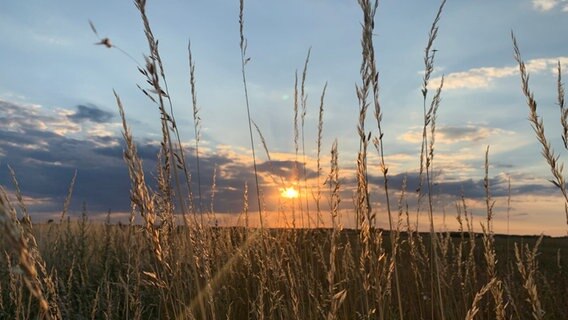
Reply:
x=59, y=113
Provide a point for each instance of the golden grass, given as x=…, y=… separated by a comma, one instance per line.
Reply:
x=163, y=269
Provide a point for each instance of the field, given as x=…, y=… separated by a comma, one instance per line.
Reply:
x=110, y=272
x=172, y=260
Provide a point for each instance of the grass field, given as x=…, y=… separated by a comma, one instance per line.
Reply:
x=171, y=262
x=110, y=272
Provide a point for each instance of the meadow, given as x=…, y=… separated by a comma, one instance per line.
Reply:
x=172, y=261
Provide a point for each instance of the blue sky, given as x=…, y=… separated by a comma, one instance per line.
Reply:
x=56, y=93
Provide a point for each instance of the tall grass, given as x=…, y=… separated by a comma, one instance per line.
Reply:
x=537, y=124
x=164, y=269
x=244, y=60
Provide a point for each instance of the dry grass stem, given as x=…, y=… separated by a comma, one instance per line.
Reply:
x=244, y=60
x=537, y=124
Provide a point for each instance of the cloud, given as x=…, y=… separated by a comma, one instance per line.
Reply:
x=466, y=133
x=31, y=141
x=547, y=5
x=16, y=118
x=90, y=113
x=455, y=134
x=469, y=188
x=479, y=78
x=544, y=5
x=286, y=169
x=45, y=161
x=50, y=39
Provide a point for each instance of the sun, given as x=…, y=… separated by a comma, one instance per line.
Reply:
x=290, y=193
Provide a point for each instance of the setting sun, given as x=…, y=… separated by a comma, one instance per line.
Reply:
x=289, y=193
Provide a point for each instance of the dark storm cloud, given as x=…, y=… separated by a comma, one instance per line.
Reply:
x=90, y=113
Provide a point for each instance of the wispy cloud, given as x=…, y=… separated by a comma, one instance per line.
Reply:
x=484, y=77
x=50, y=39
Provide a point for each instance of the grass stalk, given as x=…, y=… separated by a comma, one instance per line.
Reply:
x=373, y=74
x=304, y=102
x=318, y=164
x=173, y=160
x=196, y=125
x=537, y=124
x=244, y=61
x=426, y=158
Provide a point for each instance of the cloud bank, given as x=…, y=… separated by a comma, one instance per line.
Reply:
x=46, y=147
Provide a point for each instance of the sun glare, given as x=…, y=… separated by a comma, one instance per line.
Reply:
x=289, y=193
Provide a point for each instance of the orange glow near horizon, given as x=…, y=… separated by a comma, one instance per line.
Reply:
x=289, y=193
